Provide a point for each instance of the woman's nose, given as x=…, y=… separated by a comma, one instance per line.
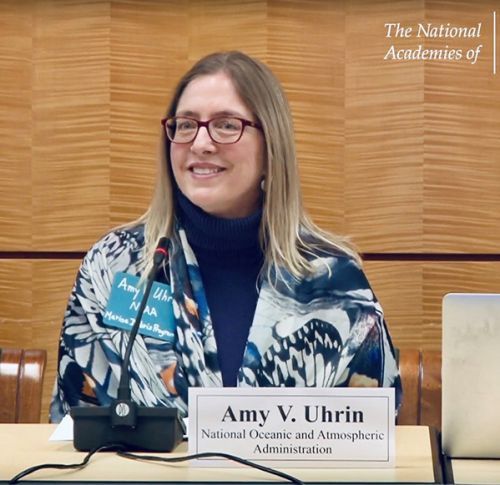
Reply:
x=203, y=141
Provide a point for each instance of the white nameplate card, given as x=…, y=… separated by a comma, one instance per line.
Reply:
x=290, y=427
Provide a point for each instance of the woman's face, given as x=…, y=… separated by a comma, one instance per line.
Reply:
x=224, y=180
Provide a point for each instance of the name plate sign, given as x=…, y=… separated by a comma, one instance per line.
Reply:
x=290, y=427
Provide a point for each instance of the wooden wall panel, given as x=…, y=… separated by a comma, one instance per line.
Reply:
x=148, y=54
x=219, y=25
x=399, y=287
x=384, y=127
x=462, y=142
x=34, y=298
x=411, y=294
x=458, y=277
x=15, y=125
x=16, y=302
x=306, y=52
x=385, y=141
x=70, y=165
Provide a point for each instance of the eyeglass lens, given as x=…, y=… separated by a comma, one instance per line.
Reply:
x=221, y=130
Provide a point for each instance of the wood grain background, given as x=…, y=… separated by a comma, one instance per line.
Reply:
x=403, y=156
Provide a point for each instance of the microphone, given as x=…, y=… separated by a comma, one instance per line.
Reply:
x=125, y=423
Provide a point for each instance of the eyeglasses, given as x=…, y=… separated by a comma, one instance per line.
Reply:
x=223, y=130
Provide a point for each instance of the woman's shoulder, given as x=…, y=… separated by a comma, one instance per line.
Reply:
x=338, y=268
x=317, y=248
x=334, y=268
x=120, y=244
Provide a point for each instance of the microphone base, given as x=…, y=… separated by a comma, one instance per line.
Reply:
x=156, y=429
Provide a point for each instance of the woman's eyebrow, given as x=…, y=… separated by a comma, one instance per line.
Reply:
x=195, y=114
x=186, y=112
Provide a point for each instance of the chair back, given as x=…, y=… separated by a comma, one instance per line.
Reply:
x=421, y=379
x=21, y=384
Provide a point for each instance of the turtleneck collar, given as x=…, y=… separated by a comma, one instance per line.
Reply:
x=208, y=232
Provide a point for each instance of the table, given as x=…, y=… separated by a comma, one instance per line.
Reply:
x=25, y=445
x=472, y=470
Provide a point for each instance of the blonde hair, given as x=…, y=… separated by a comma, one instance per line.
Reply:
x=287, y=234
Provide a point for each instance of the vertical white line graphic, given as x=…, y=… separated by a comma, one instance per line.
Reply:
x=494, y=42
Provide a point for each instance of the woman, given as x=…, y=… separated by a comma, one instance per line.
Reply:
x=261, y=296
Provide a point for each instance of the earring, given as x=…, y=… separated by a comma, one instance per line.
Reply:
x=263, y=184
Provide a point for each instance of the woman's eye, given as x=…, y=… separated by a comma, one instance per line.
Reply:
x=185, y=125
x=227, y=124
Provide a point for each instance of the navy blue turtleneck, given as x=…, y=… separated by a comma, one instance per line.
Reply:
x=230, y=258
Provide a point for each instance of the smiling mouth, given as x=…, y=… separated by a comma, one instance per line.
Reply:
x=206, y=171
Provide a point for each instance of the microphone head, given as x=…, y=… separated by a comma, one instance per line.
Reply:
x=161, y=251
x=162, y=243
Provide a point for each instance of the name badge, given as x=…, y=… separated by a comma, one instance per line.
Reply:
x=158, y=317
x=290, y=427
